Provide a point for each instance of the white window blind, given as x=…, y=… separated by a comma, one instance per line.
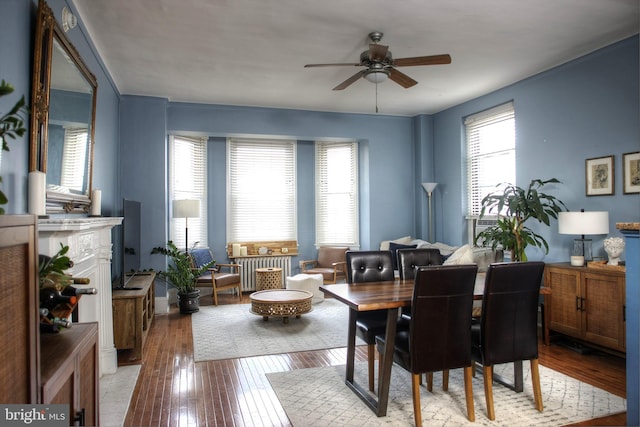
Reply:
x=491, y=153
x=188, y=180
x=261, y=190
x=336, y=193
x=74, y=156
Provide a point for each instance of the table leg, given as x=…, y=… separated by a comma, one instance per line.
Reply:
x=377, y=404
x=351, y=345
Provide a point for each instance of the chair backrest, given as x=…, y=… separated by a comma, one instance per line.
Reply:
x=327, y=255
x=509, y=321
x=200, y=256
x=409, y=259
x=369, y=266
x=440, y=329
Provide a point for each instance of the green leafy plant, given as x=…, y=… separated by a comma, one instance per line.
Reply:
x=11, y=126
x=180, y=273
x=52, y=270
x=514, y=206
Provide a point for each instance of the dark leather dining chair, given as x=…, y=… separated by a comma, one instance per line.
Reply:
x=440, y=329
x=508, y=328
x=362, y=267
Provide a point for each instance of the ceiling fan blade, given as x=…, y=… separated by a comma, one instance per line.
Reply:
x=331, y=65
x=378, y=52
x=401, y=78
x=350, y=80
x=422, y=60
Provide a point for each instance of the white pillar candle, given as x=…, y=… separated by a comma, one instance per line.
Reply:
x=96, y=203
x=243, y=251
x=236, y=249
x=37, y=193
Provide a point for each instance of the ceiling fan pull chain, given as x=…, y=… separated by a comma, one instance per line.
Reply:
x=376, y=97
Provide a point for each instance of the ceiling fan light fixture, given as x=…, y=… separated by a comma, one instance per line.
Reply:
x=376, y=76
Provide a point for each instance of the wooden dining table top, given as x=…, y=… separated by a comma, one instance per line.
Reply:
x=388, y=294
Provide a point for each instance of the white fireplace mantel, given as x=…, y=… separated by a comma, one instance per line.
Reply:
x=90, y=248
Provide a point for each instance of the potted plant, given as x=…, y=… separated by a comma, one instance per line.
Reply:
x=514, y=206
x=181, y=274
x=11, y=126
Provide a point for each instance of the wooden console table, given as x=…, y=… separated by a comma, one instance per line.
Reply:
x=133, y=310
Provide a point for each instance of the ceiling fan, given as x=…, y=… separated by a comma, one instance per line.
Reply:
x=380, y=66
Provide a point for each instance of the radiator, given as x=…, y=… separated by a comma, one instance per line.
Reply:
x=250, y=264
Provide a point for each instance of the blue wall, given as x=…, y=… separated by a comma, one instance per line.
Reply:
x=584, y=109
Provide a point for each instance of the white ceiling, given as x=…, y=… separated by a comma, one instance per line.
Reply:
x=252, y=52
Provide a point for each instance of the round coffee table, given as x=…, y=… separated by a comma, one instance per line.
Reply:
x=280, y=303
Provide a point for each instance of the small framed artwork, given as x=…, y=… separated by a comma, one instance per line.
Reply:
x=599, y=176
x=631, y=172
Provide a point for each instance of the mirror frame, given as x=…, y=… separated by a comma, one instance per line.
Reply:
x=48, y=29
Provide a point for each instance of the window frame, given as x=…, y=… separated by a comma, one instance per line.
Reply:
x=351, y=236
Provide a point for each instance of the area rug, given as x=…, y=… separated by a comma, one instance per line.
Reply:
x=231, y=331
x=319, y=397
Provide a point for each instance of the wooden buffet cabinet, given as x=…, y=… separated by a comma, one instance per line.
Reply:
x=41, y=368
x=70, y=371
x=587, y=304
x=133, y=311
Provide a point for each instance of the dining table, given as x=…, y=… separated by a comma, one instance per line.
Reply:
x=390, y=296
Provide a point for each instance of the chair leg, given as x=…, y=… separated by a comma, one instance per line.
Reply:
x=371, y=356
x=415, y=387
x=239, y=292
x=468, y=392
x=445, y=380
x=535, y=379
x=488, y=390
x=430, y=381
x=215, y=296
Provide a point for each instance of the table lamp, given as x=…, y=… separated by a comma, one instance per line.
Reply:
x=583, y=223
x=186, y=209
x=429, y=187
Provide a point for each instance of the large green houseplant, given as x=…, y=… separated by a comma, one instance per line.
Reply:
x=182, y=275
x=11, y=126
x=514, y=206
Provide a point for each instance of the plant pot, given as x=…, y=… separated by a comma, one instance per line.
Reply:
x=189, y=302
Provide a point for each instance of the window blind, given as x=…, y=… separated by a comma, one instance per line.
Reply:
x=490, y=138
x=336, y=173
x=261, y=190
x=188, y=180
x=74, y=156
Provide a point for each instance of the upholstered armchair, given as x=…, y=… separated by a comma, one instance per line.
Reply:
x=217, y=277
x=331, y=264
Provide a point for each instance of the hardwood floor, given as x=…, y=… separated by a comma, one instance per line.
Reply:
x=173, y=390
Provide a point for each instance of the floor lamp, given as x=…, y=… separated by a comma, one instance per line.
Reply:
x=186, y=209
x=429, y=187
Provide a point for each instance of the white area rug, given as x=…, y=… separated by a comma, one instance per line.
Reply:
x=116, y=391
x=231, y=331
x=319, y=397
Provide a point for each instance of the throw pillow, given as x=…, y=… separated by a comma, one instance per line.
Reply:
x=464, y=255
x=393, y=247
x=384, y=245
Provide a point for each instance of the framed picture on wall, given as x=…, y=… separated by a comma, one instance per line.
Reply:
x=631, y=172
x=599, y=176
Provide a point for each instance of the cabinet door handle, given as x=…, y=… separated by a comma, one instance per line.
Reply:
x=79, y=418
x=582, y=304
x=624, y=312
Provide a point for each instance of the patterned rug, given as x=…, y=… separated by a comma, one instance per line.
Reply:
x=231, y=331
x=319, y=397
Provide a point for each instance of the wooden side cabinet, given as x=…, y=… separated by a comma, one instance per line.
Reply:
x=587, y=304
x=70, y=372
x=133, y=311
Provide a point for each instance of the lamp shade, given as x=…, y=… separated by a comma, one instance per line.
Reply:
x=583, y=222
x=186, y=208
x=429, y=186
x=377, y=76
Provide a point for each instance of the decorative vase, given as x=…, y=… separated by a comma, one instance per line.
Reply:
x=189, y=302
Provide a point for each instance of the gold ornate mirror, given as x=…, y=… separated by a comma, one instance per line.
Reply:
x=62, y=117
